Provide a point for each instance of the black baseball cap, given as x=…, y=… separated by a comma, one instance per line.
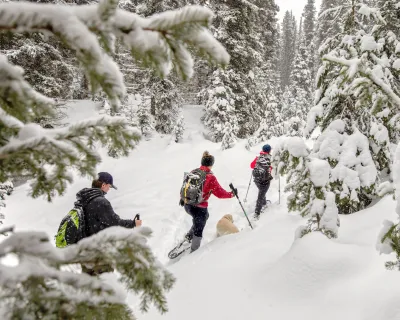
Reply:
x=106, y=178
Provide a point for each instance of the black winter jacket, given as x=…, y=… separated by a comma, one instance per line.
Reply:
x=98, y=212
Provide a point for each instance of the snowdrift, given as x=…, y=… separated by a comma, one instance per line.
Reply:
x=265, y=274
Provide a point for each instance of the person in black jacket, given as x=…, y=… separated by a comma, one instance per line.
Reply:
x=99, y=215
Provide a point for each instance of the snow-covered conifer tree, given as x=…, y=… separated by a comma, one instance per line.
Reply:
x=167, y=105
x=179, y=129
x=308, y=181
x=356, y=85
x=307, y=43
x=328, y=22
x=288, y=49
x=36, y=288
x=251, y=43
x=229, y=139
x=145, y=119
x=220, y=109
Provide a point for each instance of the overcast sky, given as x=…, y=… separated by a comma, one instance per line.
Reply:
x=296, y=6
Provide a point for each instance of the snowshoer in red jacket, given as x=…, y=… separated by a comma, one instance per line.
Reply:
x=261, y=166
x=199, y=211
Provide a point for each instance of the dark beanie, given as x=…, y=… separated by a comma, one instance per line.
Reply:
x=207, y=160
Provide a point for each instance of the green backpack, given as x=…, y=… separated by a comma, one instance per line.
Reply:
x=71, y=229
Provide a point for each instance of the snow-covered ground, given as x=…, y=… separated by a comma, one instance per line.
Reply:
x=256, y=274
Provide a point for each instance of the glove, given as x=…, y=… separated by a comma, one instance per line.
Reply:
x=235, y=192
x=181, y=203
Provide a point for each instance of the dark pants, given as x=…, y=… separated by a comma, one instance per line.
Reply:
x=262, y=192
x=199, y=218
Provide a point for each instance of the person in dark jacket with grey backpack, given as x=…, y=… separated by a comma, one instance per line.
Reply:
x=99, y=215
x=261, y=166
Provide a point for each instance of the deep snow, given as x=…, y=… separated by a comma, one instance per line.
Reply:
x=256, y=274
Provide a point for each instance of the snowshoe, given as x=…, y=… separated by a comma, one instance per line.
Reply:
x=265, y=206
x=182, y=247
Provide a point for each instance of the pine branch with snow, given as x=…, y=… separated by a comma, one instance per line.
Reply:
x=37, y=286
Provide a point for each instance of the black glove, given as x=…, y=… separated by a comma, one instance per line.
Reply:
x=181, y=203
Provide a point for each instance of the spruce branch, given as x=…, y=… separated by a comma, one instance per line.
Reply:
x=67, y=148
x=37, y=286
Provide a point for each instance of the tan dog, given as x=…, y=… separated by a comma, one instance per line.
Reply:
x=225, y=226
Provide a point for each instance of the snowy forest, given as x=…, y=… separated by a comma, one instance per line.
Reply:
x=327, y=84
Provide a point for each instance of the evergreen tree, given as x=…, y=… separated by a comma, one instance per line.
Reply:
x=167, y=105
x=309, y=21
x=308, y=42
x=145, y=120
x=355, y=85
x=308, y=181
x=288, y=49
x=250, y=44
x=229, y=139
x=297, y=100
x=37, y=288
x=220, y=109
x=179, y=129
x=328, y=22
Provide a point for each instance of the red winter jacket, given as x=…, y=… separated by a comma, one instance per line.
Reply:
x=253, y=164
x=211, y=186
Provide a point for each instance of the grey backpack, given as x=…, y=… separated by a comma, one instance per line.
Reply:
x=261, y=172
x=192, y=187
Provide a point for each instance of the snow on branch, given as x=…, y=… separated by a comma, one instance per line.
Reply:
x=64, y=149
x=14, y=90
x=37, y=286
x=157, y=41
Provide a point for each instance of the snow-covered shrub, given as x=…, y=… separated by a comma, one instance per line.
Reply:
x=308, y=181
x=229, y=139
x=389, y=237
x=179, y=129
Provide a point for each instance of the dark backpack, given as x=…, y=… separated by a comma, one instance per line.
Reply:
x=261, y=172
x=71, y=229
x=192, y=187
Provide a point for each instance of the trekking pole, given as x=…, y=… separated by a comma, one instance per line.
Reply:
x=235, y=193
x=279, y=190
x=245, y=199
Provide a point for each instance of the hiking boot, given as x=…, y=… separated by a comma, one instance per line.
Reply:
x=189, y=237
